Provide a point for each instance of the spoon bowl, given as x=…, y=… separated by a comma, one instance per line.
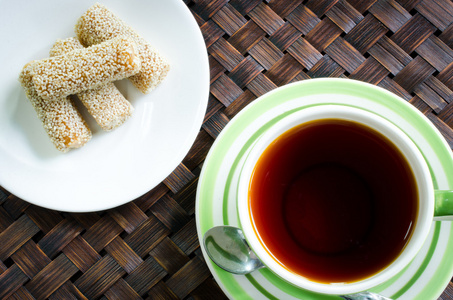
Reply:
x=227, y=247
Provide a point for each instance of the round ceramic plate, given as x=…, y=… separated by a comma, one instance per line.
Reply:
x=114, y=167
x=425, y=278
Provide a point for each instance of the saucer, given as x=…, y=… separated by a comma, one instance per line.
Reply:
x=427, y=275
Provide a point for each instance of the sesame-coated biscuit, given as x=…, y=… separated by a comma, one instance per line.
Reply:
x=106, y=104
x=83, y=69
x=98, y=24
x=62, y=122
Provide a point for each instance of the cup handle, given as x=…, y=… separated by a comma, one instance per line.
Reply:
x=443, y=205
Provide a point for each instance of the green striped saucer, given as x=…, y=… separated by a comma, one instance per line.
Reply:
x=428, y=274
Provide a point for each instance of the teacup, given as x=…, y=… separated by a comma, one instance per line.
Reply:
x=337, y=200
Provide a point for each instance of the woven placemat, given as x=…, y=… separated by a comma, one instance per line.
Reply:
x=148, y=248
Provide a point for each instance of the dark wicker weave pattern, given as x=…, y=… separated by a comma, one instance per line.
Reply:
x=148, y=249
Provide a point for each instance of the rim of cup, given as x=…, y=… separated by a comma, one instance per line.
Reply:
x=406, y=146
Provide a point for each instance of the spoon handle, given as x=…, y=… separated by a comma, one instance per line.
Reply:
x=364, y=296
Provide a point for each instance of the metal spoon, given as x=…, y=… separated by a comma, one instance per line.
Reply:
x=227, y=247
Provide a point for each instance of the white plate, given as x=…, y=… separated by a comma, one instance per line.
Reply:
x=114, y=167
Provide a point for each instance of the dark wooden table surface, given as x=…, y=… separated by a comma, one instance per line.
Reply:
x=148, y=248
